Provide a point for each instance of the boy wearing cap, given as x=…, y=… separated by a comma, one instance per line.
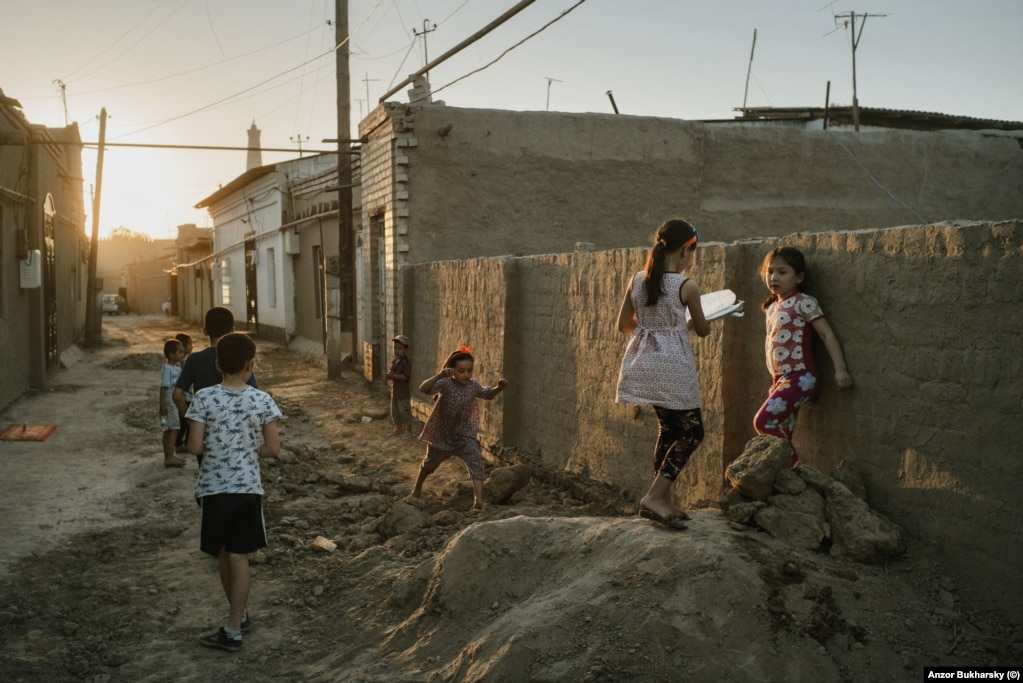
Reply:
x=398, y=377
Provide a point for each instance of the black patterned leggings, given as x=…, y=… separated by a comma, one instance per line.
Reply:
x=681, y=431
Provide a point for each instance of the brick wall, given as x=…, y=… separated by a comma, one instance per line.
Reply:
x=929, y=320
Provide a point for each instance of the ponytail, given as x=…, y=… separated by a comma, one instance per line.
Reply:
x=672, y=235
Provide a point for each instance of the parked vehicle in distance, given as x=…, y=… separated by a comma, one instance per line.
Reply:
x=112, y=304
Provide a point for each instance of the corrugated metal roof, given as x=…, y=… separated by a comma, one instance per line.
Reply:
x=875, y=116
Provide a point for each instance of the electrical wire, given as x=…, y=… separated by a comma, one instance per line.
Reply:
x=111, y=45
x=229, y=97
x=209, y=20
x=875, y=180
x=298, y=100
x=199, y=68
x=361, y=24
x=137, y=42
x=453, y=13
x=398, y=70
x=496, y=59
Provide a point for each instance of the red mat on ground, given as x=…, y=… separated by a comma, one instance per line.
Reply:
x=19, y=432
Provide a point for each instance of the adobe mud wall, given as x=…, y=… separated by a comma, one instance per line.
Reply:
x=929, y=319
x=475, y=182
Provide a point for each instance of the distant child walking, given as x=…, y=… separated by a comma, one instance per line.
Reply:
x=398, y=377
x=791, y=314
x=452, y=426
x=658, y=366
x=179, y=444
x=170, y=421
x=233, y=426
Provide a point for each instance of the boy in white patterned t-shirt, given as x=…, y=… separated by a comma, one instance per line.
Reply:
x=233, y=426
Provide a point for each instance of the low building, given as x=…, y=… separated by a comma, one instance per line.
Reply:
x=191, y=277
x=442, y=183
x=275, y=236
x=43, y=249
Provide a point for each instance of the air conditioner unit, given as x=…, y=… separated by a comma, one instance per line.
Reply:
x=292, y=244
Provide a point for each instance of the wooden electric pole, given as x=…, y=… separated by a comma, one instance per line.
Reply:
x=854, y=41
x=341, y=328
x=93, y=319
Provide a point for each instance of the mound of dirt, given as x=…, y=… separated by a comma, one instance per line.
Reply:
x=102, y=580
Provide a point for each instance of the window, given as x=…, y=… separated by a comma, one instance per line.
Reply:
x=271, y=277
x=225, y=282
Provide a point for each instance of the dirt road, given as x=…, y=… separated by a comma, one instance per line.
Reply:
x=101, y=578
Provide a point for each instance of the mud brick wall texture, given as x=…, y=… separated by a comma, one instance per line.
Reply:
x=929, y=320
x=489, y=183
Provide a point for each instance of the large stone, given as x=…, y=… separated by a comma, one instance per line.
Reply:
x=401, y=519
x=809, y=502
x=753, y=473
x=849, y=476
x=504, y=482
x=795, y=528
x=814, y=478
x=743, y=512
x=858, y=532
x=789, y=482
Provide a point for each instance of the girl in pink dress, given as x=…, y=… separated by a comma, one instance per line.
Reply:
x=791, y=314
x=452, y=426
x=658, y=366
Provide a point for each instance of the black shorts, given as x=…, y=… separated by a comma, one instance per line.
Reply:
x=233, y=522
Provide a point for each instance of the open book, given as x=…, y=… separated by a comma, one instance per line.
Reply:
x=720, y=304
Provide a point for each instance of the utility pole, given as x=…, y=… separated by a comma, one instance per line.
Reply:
x=523, y=4
x=849, y=21
x=93, y=322
x=749, y=70
x=298, y=139
x=549, y=81
x=426, y=29
x=340, y=318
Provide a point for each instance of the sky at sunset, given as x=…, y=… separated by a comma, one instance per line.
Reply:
x=200, y=72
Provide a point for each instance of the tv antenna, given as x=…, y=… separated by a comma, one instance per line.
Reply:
x=367, y=79
x=549, y=81
x=426, y=29
x=849, y=22
x=62, y=87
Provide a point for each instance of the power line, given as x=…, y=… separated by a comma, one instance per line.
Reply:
x=111, y=45
x=217, y=148
x=229, y=97
x=139, y=41
x=523, y=4
x=191, y=71
x=500, y=56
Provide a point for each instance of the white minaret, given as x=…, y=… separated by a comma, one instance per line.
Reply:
x=254, y=159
